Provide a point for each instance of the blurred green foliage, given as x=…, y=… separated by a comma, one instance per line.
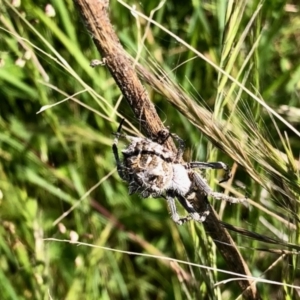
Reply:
x=60, y=159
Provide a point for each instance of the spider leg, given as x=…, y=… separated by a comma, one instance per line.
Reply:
x=211, y=165
x=193, y=214
x=120, y=166
x=118, y=134
x=174, y=214
x=162, y=137
x=181, y=146
x=120, y=126
x=203, y=186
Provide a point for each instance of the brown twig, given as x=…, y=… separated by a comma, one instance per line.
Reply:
x=95, y=15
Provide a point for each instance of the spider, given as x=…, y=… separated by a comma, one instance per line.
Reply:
x=152, y=170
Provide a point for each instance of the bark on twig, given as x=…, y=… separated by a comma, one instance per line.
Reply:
x=95, y=15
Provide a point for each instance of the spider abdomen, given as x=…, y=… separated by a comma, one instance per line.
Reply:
x=149, y=174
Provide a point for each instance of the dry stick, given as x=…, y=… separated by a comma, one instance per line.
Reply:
x=98, y=24
x=95, y=15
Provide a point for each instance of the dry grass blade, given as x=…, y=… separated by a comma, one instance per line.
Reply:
x=244, y=149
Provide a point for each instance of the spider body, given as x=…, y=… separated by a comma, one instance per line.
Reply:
x=152, y=170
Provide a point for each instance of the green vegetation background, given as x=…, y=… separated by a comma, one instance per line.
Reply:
x=61, y=159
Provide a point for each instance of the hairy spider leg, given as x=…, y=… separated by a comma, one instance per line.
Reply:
x=191, y=210
x=118, y=134
x=162, y=137
x=211, y=165
x=193, y=214
x=174, y=214
x=181, y=146
x=203, y=186
x=120, y=126
x=120, y=167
